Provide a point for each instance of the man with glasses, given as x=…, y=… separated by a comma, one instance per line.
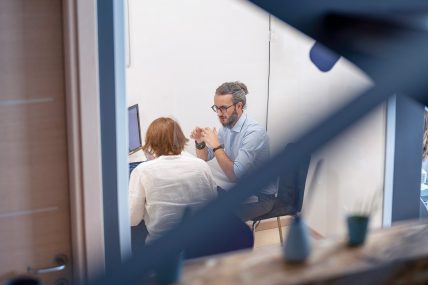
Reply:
x=238, y=146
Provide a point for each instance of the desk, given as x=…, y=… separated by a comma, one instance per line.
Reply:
x=390, y=256
x=137, y=156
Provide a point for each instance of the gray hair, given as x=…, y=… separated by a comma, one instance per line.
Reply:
x=237, y=89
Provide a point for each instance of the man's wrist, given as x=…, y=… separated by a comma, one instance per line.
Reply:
x=201, y=145
x=217, y=148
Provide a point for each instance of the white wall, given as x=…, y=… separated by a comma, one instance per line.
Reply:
x=299, y=96
x=182, y=50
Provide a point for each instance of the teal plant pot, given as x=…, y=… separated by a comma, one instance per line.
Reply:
x=357, y=229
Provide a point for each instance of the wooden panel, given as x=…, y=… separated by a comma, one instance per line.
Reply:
x=33, y=240
x=33, y=155
x=34, y=203
x=31, y=49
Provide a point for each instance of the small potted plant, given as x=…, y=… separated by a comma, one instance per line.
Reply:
x=358, y=219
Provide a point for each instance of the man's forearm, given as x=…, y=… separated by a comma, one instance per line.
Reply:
x=225, y=164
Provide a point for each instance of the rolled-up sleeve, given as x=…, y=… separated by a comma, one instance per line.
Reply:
x=137, y=198
x=253, y=142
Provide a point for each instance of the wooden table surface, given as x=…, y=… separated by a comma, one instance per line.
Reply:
x=395, y=255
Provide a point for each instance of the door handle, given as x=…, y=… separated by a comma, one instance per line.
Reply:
x=60, y=264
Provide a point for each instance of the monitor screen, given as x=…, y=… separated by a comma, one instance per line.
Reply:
x=134, y=129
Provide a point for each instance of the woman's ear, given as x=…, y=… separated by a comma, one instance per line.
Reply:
x=149, y=155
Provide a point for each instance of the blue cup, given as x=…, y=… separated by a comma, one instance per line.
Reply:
x=170, y=270
x=357, y=229
x=297, y=246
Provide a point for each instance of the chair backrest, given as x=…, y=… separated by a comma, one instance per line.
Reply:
x=291, y=186
x=233, y=235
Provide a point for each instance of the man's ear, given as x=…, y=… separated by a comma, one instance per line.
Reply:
x=239, y=105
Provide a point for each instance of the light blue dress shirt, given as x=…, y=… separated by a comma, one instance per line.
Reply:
x=247, y=145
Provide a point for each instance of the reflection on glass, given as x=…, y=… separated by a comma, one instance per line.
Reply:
x=424, y=170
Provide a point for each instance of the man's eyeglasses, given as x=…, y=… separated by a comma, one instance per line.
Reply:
x=222, y=109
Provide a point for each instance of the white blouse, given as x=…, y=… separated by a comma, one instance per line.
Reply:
x=160, y=190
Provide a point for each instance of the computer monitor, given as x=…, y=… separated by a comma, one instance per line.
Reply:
x=134, y=129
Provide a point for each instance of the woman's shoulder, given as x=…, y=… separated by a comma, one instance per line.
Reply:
x=145, y=165
x=188, y=156
x=193, y=159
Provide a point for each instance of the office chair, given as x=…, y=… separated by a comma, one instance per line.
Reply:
x=289, y=199
x=233, y=235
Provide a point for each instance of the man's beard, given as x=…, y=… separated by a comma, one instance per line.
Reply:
x=231, y=121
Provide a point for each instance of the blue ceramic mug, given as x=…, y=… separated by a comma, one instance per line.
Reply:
x=297, y=246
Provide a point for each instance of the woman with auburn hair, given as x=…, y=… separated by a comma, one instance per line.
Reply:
x=161, y=189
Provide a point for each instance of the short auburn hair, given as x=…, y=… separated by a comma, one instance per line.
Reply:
x=164, y=137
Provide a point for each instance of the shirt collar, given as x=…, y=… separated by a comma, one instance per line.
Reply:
x=240, y=123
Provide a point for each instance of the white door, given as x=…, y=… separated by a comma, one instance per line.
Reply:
x=34, y=195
